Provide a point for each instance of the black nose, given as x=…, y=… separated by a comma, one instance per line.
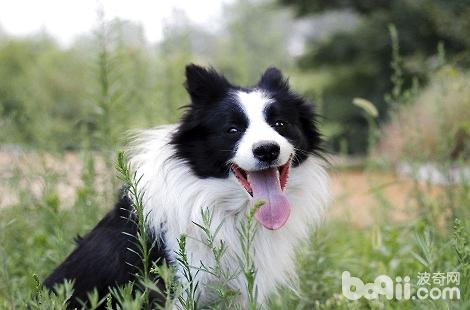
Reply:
x=266, y=151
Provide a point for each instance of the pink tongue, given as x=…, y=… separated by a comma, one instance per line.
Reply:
x=265, y=185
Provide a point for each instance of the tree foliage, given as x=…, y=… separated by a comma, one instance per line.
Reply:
x=359, y=57
x=113, y=80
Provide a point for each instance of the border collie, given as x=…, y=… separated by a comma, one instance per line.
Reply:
x=233, y=146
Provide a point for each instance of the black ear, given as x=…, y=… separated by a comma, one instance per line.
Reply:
x=272, y=79
x=204, y=85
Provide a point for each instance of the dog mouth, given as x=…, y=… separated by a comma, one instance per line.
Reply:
x=243, y=175
x=267, y=185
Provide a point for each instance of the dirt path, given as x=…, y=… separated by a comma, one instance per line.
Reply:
x=356, y=194
x=27, y=176
x=359, y=195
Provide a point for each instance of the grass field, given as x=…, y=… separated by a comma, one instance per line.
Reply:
x=379, y=223
x=386, y=90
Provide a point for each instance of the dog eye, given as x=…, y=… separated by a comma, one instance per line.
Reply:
x=280, y=123
x=233, y=130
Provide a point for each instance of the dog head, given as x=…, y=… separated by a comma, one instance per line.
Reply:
x=256, y=133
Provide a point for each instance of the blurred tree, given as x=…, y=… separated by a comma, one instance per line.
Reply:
x=16, y=58
x=174, y=52
x=359, y=58
x=40, y=82
x=113, y=80
x=124, y=83
x=256, y=35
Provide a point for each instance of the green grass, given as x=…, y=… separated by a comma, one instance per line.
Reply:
x=37, y=235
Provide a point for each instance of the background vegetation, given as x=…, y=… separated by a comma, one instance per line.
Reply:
x=358, y=58
x=401, y=204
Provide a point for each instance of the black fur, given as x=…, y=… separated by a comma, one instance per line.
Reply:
x=295, y=111
x=102, y=258
x=203, y=140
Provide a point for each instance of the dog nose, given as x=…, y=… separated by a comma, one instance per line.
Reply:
x=266, y=151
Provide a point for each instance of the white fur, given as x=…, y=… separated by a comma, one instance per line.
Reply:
x=174, y=198
x=254, y=105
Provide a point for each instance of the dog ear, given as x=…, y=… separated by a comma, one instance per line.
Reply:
x=272, y=79
x=204, y=85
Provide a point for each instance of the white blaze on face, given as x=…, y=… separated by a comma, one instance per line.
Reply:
x=254, y=105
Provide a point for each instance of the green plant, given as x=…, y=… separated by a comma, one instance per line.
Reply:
x=226, y=295
x=461, y=245
x=394, y=98
x=246, y=234
x=45, y=300
x=144, y=246
x=371, y=114
x=188, y=298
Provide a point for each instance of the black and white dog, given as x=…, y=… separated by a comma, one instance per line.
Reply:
x=233, y=145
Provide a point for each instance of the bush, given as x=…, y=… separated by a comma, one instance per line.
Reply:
x=436, y=122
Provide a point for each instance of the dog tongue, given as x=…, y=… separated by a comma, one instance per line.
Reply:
x=266, y=186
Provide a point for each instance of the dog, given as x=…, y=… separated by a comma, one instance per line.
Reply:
x=233, y=146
